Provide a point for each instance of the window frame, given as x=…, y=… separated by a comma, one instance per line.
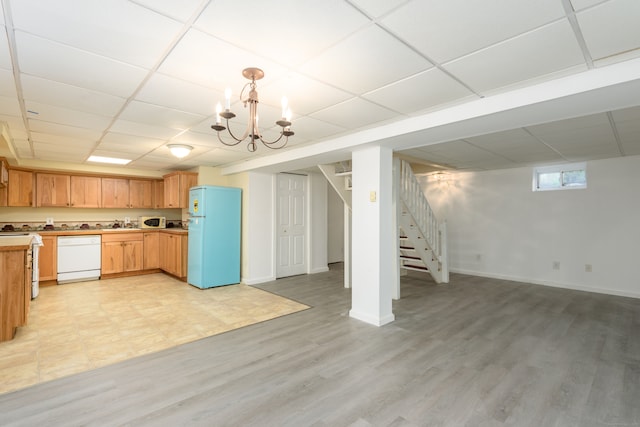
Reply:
x=564, y=168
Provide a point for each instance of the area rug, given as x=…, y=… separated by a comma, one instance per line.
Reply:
x=81, y=326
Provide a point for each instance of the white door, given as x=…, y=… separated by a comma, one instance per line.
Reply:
x=292, y=226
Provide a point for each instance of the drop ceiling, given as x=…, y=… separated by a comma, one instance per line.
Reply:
x=124, y=78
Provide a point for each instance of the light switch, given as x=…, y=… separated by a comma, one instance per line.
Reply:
x=372, y=196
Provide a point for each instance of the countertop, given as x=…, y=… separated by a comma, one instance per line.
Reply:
x=76, y=232
x=8, y=243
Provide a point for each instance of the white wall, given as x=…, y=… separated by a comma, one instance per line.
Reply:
x=499, y=228
x=317, y=197
x=335, y=227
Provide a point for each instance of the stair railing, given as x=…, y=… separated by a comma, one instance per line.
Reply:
x=418, y=207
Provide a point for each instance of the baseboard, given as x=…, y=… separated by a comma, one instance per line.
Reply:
x=319, y=270
x=549, y=283
x=258, y=280
x=372, y=320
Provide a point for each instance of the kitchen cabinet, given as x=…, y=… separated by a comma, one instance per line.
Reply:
x=86, y=191
x=176, y=188
x=48, y=258
x=115, y=193
x=4, y=173
x=20, y=188
x=158, y=194
x=15, y=286
x=141, y=193
x=151, y=251
x=121, y=252
x=173, y=254
x=52, y=190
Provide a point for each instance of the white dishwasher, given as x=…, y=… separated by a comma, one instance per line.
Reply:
x=78, y=258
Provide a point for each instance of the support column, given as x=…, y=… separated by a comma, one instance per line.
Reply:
x=372, y=236
x=347, y=246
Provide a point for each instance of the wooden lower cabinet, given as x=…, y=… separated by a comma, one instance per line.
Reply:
x=151, y=258
x=122, y=252
x=173, y=254
x=15, y=289
x=48, y=258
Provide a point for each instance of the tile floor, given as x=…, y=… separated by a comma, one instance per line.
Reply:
x=80, y=326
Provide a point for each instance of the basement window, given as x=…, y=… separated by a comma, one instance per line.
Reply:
x=560, y=177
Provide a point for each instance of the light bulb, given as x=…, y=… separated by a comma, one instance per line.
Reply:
x=227, y=98
x=288, y=116
x=218, y=111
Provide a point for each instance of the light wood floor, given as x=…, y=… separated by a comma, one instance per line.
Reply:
x=475, y=352
x=80, y=326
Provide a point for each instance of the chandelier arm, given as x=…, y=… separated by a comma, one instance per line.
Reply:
x=269, y=144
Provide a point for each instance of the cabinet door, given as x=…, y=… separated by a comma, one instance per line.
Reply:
x=86, y=191
x=187, y=181
x=112, y=257
x=151, y=257
x=115, y=193
x=52, y=190
x=172, y=191
x=132, y=255
x=20, y=188
x=141, y=193
x=170, y=253
x=48, y=258
x=158, y=194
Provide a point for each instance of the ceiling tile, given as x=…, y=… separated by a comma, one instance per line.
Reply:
x=45, y=91
x=59, y=129
x=9, y=106
x=611, y=28
x=420, y=92
x=62, y=140
x=181, y=11
x=5, y=56
x=377, y=8
x=537, y=53
x=582, y=4
x=305, y=95
x=116, y=29
x=445, y=30
x=207, y=61
x=159, y=116
x=297, y=29
x=310, y=129
x=143, y=129
x=179, y=95
x=53, y=114
x=219, y=156
x=515, y=138
x=354, y=64
x=64, y=64
x=354, y=113
x=129, y=143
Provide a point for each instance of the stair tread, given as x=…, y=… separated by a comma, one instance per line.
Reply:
x=415, y=267
x=409, y=257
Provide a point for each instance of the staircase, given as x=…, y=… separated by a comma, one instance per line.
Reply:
x=422, y=245
x=423, y=240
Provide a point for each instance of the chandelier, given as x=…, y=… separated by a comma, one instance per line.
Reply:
x=252, y=132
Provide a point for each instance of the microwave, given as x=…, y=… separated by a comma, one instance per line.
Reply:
x=152, y=222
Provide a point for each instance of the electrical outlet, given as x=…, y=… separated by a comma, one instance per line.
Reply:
x=49, y=221
x=588, y=268
x=556, y=265
x=127, y=220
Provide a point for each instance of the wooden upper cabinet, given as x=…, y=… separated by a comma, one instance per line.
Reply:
x=52, y=190
x=86, y=191
x=141, y=193
x=176, y=188
x=20, y=188
x=115, y=193
x=158, y=194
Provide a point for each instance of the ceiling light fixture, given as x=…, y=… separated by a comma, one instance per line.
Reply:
x=110, y=160
x=180, y=150
x=252, y=131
